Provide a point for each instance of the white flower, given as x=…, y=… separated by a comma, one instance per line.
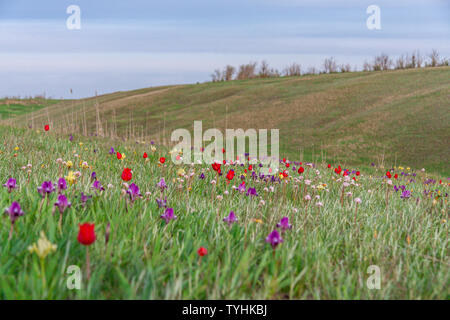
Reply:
x=295, y=210
x=262, y=202
x=319, y=204
x=59, y=160
x=110, y=186
x=148, y=194
x=307, y=182
x=358, y=200
x=389, y=182
x=219, y=197
x=345, y=184
x=213, y=181
x=317, y=197
x=226, y=192
x=307, y=197
x=349, y=194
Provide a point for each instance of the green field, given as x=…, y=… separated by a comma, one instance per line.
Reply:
x=325, y=255
x=396, y=117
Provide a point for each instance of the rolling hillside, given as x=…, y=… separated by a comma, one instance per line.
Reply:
x=399, y=117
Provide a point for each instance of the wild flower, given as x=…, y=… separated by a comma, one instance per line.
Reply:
x=274, y=239
x=46, y=189
x=284, y=224
x=134, y=192
x=43, y=247
x=62, y=203
x=10, y=184
x=230, y=219
x=62, y=185
x=97, y=186
x=168, y=215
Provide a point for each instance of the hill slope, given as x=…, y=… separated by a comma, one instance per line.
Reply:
x=357, y=118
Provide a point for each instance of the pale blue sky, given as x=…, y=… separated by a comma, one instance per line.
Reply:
x=133, y=44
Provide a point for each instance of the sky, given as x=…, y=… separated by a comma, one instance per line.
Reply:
x=124, y=45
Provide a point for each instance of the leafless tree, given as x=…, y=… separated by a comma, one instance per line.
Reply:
x=246, y=71
x=229, y=72
x=292, y=70
x=345, y=68
x=329, y=65
x=381, y=62
x=434, y=58
x=367, y=66
x=400, y=63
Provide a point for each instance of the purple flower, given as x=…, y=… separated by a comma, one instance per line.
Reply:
x=97, y=186
x=62, y=185
x=71, y=138
x=241, y=187
x=84, y=198
x=133, y=191
x=274, y=239
x=284, y=224
x=168, y=215
x=162, y=203
x=152, y=142
x=111, y=151
x=62, y=204
x=162, y=184
x=230, y=219
x=406, y=194
x=396, y=188
x=93, y=176
x=252, y=192
x=14, y=212
x=202, y=176
x=10, y=184
x=46, y=189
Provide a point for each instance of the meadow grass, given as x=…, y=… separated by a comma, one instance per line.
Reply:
x=400, y=116
x=325, y=255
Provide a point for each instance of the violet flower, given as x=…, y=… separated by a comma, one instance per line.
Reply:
x=274, y=239
x=10, y=184
x=84, y=198
x=14, y=211
x=46, y=189
x=97, y=186
x=133, y=191
x=406, y=194
x=284, y=224
x=168, y=215
x=230, y=219
x=162, y=203
x=111, y=151
x=252, y=192
x=162, y=184
x=241, y=187
x=62, y=185
x=62, y=204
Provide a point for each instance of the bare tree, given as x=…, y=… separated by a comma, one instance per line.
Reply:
x=229, y=72
x=329, y=65
x=400, y=63
x=381, y=62
x=264, y=70
x=311, y=70
x=246, y=71
x=434, y=58
x=292, y=70
x=367, y=66
x=345, y=68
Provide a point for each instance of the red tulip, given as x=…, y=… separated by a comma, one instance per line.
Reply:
x=396, y=176
x=46, y=127
x=388, y=174
x=338, y=170
x=145, y=155
x=284, y=160
x=216, y=166
x=202, y=251
x=329, y=166
x=250, y=167
x=119, y=155
x=230, y=175
x=287, y=165
x=358, y=173
x=301, y=170
x=86, y=235
x=162, y=160
x=127, y=175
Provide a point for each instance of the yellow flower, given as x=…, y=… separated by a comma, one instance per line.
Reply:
x=408, y=168
x=16, y=148
x=71, y=178
x=69, y=164
x=42, y=247
x=153, y=148
x=81, y=143
x=180, y=172
x=258, y=221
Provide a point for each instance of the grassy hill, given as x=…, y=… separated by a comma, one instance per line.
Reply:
x=399, y=117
